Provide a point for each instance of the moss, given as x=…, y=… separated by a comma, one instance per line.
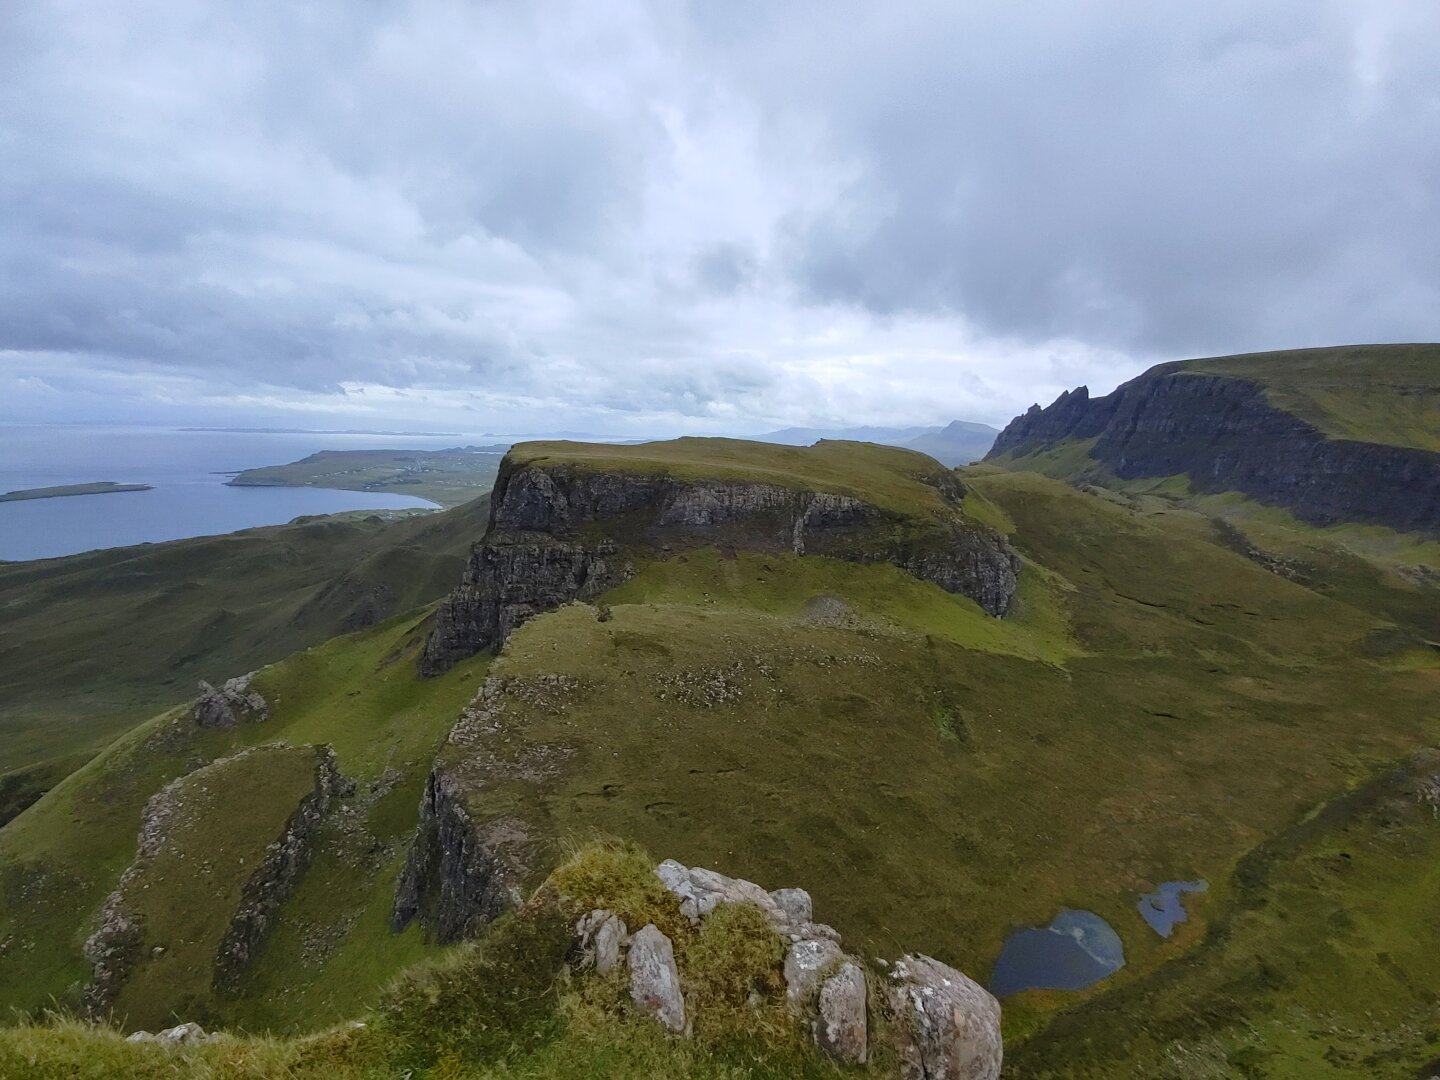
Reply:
x=736, y=954
x=621, y=878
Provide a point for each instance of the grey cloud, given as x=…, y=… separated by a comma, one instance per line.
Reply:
x=721, y=214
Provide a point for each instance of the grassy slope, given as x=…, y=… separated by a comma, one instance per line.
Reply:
x=91, y=644
x=226, y=814
x=910, y=748
x=60, y=858
x=448, y=477
x=1372, y=393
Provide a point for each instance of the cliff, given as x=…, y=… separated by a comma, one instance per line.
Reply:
x=1224, y=434
x=565, y=527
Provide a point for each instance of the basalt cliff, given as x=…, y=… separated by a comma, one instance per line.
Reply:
x=1225, y=435
x=561, y=531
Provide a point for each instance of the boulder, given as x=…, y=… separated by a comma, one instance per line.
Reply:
x=189, y=1034
x=949, y=1024
x=840, y=1029
x=795, y=903
x=602, y=934
x=654, y=979
x=806, y=964
x=700, y=891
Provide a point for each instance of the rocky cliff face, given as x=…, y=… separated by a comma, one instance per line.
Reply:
x=1224, y=435
x=457, y=877
x=560, y=533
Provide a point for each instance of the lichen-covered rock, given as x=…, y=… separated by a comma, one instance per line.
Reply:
x=187, y=1034
x=279, y=872
x=555, y=532
x=234, y=702
x=807, y=963
x=841, y=1027
x=949, y=1024
x=654, y=979
x=795, y=903
x=602, y=936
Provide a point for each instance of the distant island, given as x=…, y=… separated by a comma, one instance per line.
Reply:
x=104, y=487
x=448, y=477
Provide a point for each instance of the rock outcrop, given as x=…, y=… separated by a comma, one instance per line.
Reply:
x=655, y=980
x=559, y=532
x=458, y=875
x=950, y=1024
x=234, y=702
x=1223, y=434
x=118, y=945
x=275, y=879
x=942, y=1025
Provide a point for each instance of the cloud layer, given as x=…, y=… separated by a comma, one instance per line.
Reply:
x=652, y=218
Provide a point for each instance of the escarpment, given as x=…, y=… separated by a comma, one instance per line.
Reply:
x=561, y=531
x=1223, y=433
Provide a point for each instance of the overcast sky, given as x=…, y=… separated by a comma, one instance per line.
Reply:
x=708, y=217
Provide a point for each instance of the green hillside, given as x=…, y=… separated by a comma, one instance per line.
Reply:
x=1372, y=393
x=1167, y=700
x=91, y=644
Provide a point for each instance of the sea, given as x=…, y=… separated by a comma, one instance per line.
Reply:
x=187, y=470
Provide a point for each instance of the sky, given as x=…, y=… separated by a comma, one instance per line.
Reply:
x=659, y=218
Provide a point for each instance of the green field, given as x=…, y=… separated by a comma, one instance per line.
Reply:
x=448, y=477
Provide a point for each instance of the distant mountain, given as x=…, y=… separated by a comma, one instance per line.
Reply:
x=958, y=443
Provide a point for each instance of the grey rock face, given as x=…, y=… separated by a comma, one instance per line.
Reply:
x=950, y=1025
x=700, y=891
x=795, y=903
x=458, y=875
x=841, y=1028
x=806, y=965
x=279, y=872
x=554, y=533
x=654, y=979
x=183, y=1035
x=1223, y=434
x=602, y=936
x=233, y=703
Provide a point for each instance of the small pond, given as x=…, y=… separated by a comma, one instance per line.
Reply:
x=1164, y=908
x=1077, y=949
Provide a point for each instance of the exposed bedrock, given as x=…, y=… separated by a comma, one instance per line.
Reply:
x=279, y=873
x=1223, y=434
x=458, y=875
x=558, y=533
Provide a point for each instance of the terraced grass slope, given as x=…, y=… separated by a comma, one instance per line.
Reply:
x=92, y=644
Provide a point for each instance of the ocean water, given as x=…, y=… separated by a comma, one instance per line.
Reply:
x=187, y=469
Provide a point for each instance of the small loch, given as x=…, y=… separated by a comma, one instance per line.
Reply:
x=1164, y=908
x=1076, y=950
